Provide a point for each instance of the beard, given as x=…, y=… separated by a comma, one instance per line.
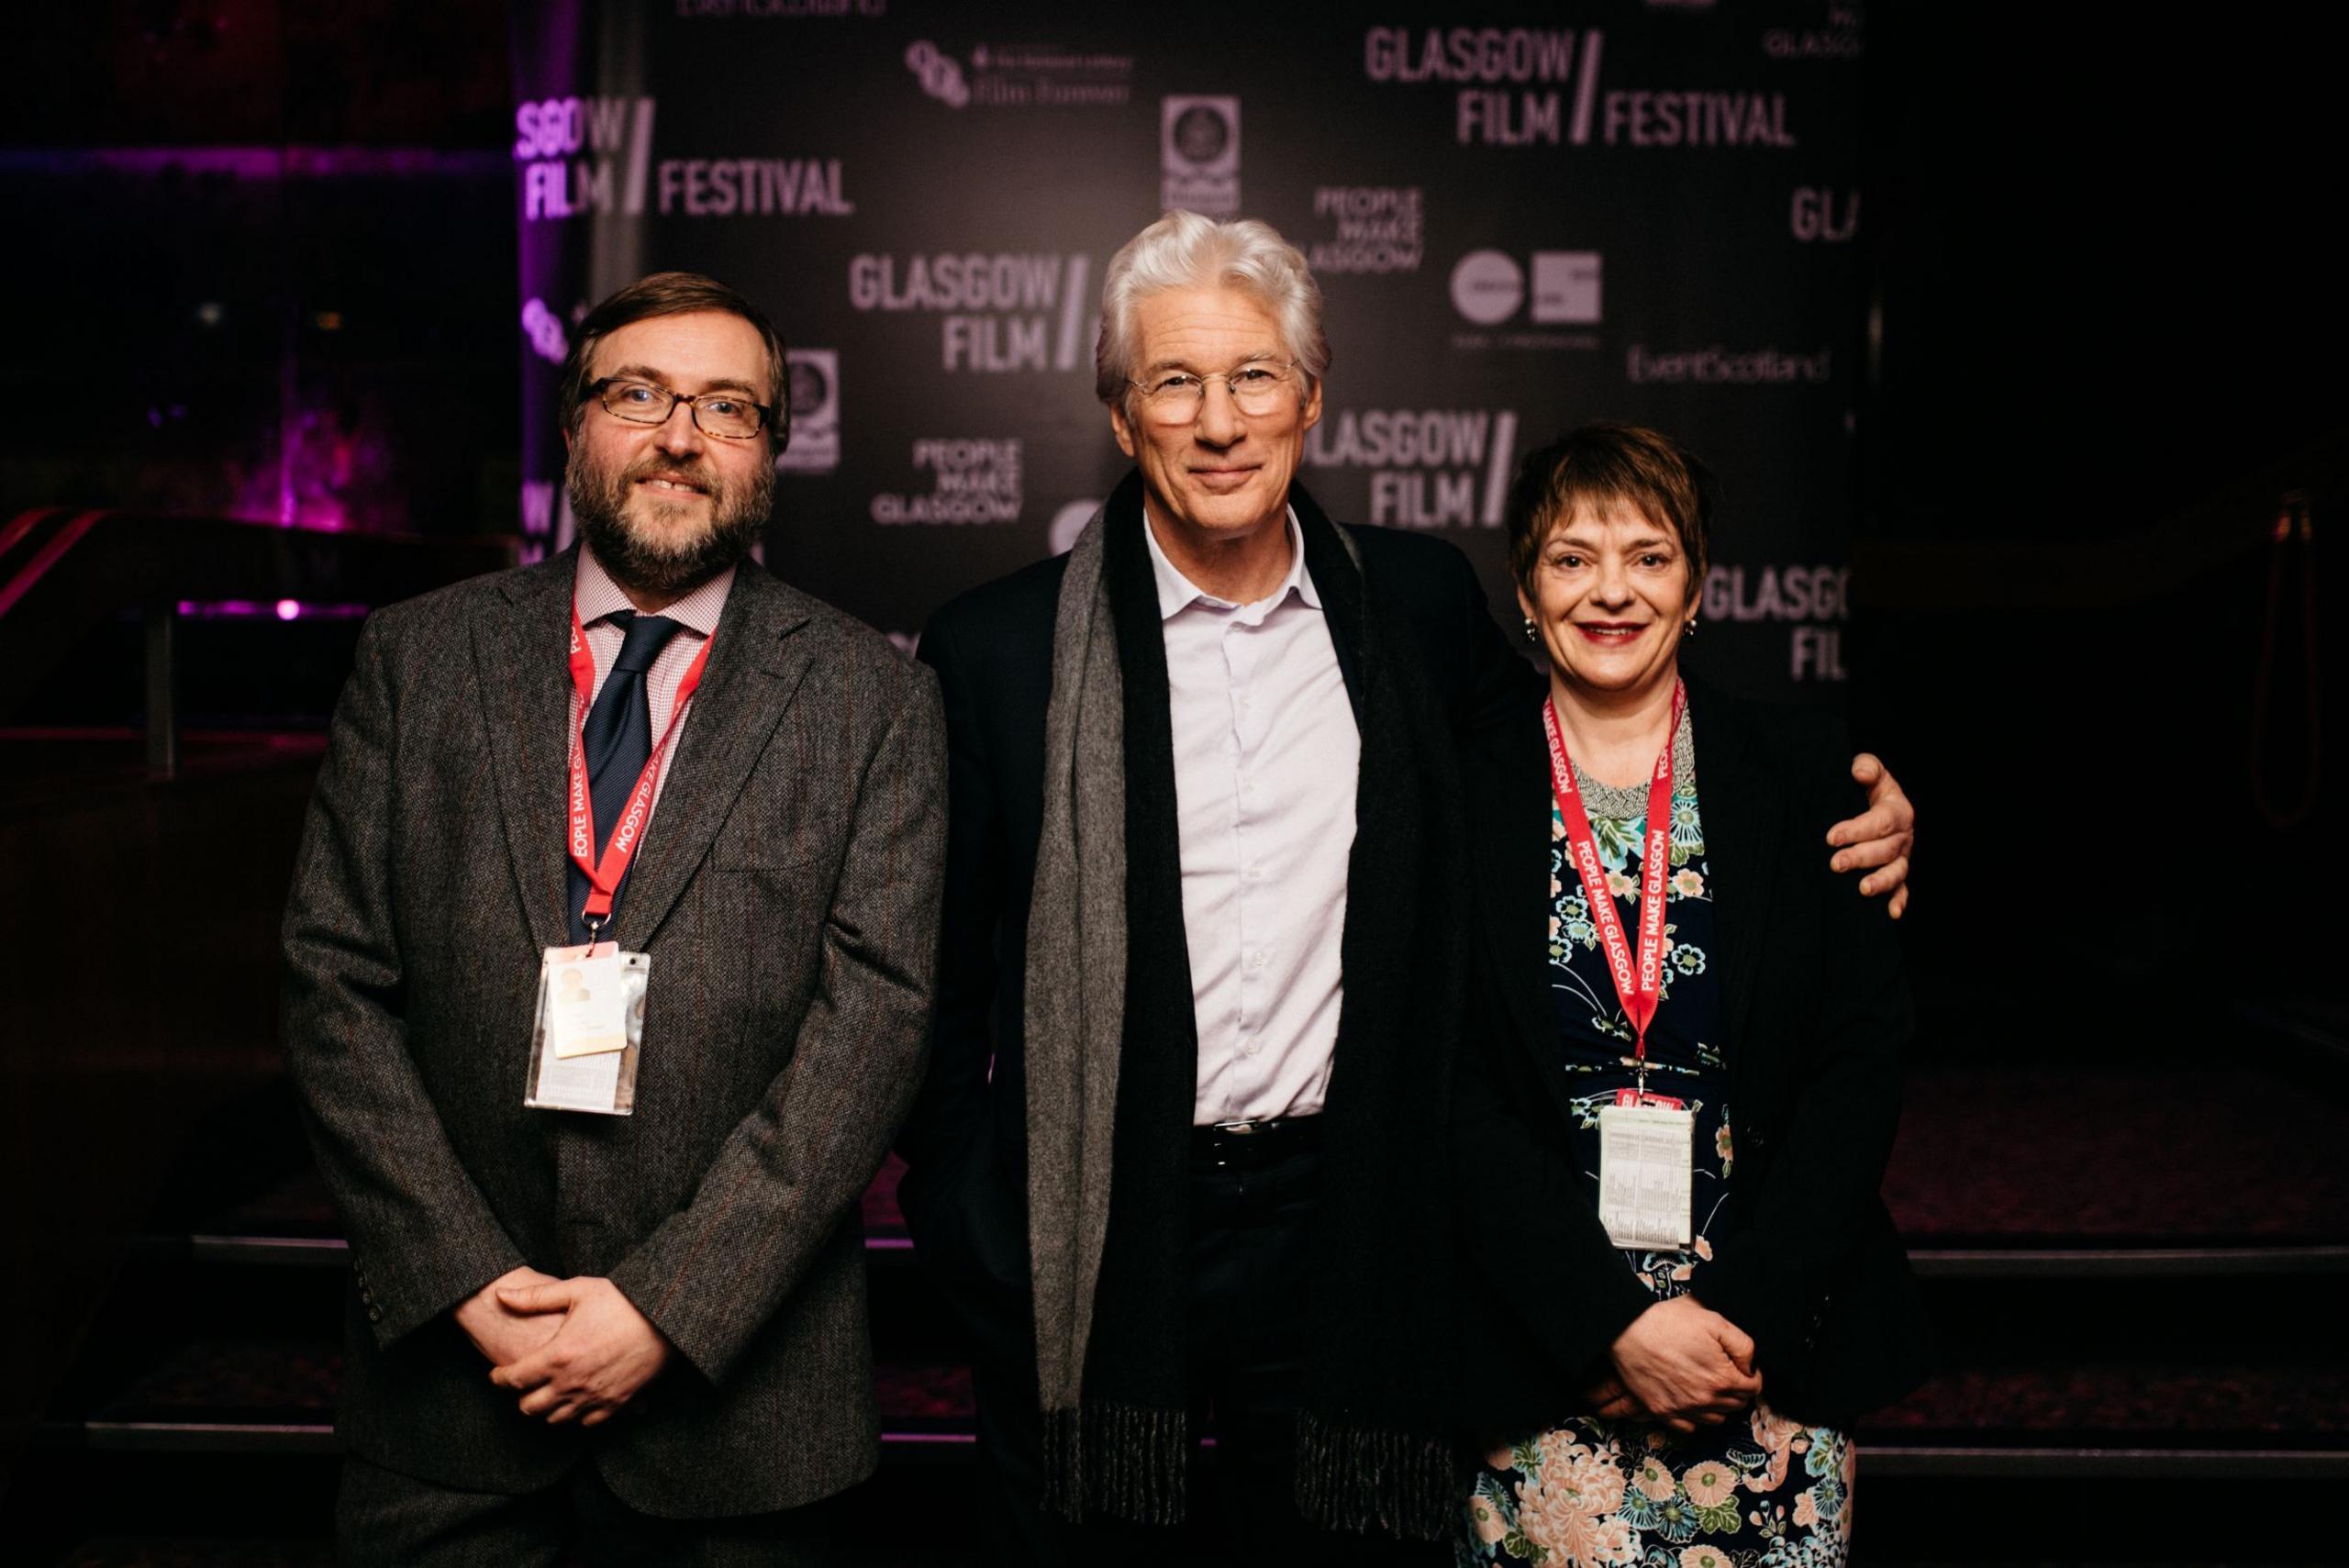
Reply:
x=670, y=565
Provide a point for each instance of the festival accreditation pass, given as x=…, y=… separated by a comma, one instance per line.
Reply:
x=590, y=1023
x=1646, y=1142
x=589, y=1028
x=1644, y=1155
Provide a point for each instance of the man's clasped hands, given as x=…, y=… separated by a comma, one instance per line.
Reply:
x=574, y=1349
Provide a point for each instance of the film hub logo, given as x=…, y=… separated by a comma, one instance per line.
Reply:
x=581, y=157
x=971, y=481
x=1376, y=228
x=1792, y=594
x=1198, y=155
x=1431, y=468
x=999, y=311
x=813, y=389
x=1023, y=75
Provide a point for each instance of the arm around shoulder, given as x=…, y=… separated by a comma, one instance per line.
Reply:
x=1820, y=1188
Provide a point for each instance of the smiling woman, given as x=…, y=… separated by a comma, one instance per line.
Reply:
x=1708, y=1290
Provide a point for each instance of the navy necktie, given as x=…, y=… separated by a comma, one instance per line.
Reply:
x=618, y=739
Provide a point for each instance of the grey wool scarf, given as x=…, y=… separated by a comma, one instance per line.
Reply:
x=1076, y=972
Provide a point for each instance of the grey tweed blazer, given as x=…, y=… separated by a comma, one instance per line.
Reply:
x=787, y=890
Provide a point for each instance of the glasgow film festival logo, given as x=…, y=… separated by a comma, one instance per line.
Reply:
x=1199, y=156
x=813, y=379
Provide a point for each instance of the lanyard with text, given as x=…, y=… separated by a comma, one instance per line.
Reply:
x=604, y=876
x=1639, y=983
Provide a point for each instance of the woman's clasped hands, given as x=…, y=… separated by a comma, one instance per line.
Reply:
x=1681, y=1365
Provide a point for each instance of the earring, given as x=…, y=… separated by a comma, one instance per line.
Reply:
x=1691, y=629
x=1532, y=632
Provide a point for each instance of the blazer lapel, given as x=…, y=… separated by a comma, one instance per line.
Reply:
x=1743, y=808
x=1509, y=796
x=755, y=668
x=519, y=641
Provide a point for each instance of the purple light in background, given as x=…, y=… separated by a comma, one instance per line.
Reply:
x=267, y=609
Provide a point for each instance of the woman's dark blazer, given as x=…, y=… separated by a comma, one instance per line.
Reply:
x=1814, y=1017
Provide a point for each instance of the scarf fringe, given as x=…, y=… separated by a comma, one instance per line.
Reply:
x=1125, y=1461
x=1389, y=1483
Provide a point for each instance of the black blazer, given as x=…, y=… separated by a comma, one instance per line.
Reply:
x=1814, y=1013
x=965, y=1195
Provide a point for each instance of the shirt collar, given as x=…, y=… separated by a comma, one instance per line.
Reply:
x=1177, y=592
x=597, y=596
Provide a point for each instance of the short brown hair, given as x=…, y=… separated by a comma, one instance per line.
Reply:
x=1609, y=463
x=671, y=293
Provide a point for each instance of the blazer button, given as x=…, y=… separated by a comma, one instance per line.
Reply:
x=374, y=1315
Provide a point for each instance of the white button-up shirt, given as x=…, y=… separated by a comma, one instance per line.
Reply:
x=1265, y=757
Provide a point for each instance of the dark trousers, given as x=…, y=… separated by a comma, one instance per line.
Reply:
x=384, y=1518
x=1246, y=1337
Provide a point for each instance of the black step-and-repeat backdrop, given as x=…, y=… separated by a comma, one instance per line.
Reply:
x=1521, y=220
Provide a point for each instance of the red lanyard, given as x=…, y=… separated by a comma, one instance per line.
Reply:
x=1641, y=985
x=604, y=876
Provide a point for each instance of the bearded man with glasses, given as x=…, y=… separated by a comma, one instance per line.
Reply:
x=1177, y=1162
x=635, y=1336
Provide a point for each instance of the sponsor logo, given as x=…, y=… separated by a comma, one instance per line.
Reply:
x=544, y=327
x=1539, y=87
x=780, y=10
x=1069, y=522
x=813, y=382
x=941, y=77
x=752, y=187
x=1811, y=593
x=1000, y=311
x=1838, y=39
x=1433, y=468
x=583, y=156
x=1825, y=215
x=1715, y=365
x=1489, y=288
x=1374, y=228
x=1566, y=287
x=971, y=481
x=1198, y=155
x=1023, y=76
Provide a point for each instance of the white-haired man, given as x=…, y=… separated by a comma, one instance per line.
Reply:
x=1202, y=934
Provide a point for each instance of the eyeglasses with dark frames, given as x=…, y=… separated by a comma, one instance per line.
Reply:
x=728, y=415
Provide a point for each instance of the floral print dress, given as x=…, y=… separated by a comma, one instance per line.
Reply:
x=1759, y=1491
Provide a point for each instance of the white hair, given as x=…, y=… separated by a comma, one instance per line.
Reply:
x=1184, y=250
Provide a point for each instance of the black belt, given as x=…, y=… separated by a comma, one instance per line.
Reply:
x=1229, y=1143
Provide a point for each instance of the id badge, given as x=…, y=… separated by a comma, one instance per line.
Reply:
x=1644, y=1154
x=588, y=1031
